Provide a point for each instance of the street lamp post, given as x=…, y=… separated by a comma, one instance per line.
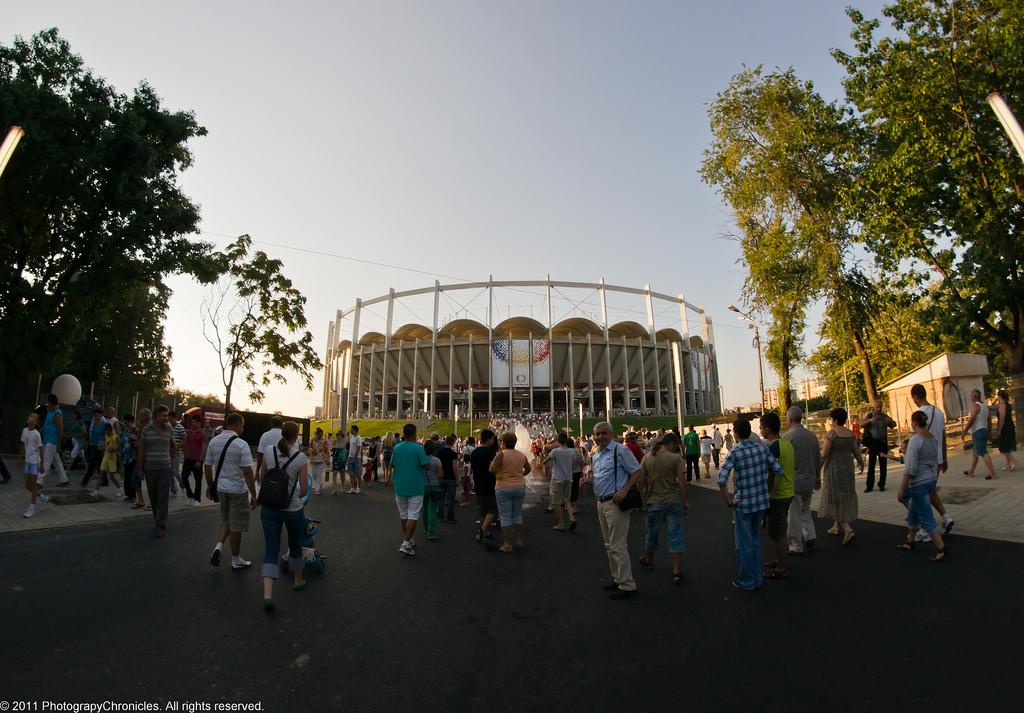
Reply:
x=10, y=143
x=1016, y=134
x=757, y=343
x=568, y=409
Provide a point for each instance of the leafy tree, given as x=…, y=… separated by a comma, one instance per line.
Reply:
x=90, y=212
x=247, y=319
x=780, y=158
x=939, y=188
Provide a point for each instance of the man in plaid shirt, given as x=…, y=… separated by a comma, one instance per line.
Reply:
x=750, y=462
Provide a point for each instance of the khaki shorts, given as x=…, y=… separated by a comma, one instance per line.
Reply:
x=234, y=511
x=560, y=491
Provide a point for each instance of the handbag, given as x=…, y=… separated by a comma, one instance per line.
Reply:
x=632, y=499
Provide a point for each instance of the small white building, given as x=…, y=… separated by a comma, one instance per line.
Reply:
x=948, y=379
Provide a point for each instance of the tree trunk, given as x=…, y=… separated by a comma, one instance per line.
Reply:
x=865, y=365
x=227, y=401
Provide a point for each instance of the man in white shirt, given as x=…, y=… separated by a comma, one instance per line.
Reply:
x=717, y=441
x=354, y=466
x=229, y=464
x=937, y=427
x=268, y=440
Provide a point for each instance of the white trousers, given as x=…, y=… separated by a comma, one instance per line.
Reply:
x=52, y=463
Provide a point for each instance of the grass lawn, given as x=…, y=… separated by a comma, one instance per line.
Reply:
x=378, y=427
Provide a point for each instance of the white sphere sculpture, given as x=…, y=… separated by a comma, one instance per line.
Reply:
x=67, y=389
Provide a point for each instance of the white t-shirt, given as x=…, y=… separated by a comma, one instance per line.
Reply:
x=355, y=448
x=716, y=439
x=293, y=470
x=239, y=456
x=705, y=446
x=936, y=426
x=268, y=440
x=33, y=442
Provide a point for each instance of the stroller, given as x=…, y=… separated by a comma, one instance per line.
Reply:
x=315, y=561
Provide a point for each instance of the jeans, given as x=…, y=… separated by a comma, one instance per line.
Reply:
x=919, y=508
x=273, y=520
x=615, y=531
x=158, y=483
x=192, y=468
x=93, y=457
x=883, y=463
x=748, y=548
x=176, y=472
x=430, y=510
x=672, y=514
x=129, y=480
x=510, y=505
x=447, y=501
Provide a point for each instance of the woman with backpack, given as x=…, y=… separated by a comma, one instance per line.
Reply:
x=284, y=485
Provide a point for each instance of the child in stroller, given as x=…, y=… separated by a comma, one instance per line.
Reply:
x=315, y=561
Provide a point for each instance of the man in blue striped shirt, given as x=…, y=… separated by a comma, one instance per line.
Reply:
x=750, y=463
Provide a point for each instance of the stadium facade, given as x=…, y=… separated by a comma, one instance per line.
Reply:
x=470, y=358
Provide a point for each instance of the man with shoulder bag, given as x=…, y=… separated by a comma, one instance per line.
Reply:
x=233, y=479
x=615, y=472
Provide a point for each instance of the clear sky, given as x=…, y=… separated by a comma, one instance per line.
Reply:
x=467, y=138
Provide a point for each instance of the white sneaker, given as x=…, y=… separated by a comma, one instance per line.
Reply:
x=403, y=548
x=195, y=503
x=174, y=493
x=922, y=536
x=351, y=491
x=120, y=493
x=241, y=564
x=947, y=523
x=95, y=495
x=30, y=511
x=358, y=490
x=41, y=502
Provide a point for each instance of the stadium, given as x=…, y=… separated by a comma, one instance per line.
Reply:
x=533, y=346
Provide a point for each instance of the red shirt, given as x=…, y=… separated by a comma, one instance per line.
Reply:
x=635, y=450
x=194, y=442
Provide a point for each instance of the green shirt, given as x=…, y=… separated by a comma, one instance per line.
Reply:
x=783, y=450
x=691, y=443
x=408, y=460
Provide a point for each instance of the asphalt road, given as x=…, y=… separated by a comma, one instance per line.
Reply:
x=105, y=612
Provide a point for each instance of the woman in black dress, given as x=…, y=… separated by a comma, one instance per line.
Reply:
x=1007, y=431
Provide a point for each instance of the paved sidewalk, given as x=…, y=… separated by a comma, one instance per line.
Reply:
x=992, y=509
x=14, y=499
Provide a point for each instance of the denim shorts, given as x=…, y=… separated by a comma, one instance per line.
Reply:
x=919, y=508
x=672, y=514
x=31, y=469
x=979, y=439
x=510, y=505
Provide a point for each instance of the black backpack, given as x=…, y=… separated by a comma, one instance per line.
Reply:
x=274, y=487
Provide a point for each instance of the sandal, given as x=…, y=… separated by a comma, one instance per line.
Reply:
x=848, y=538
x=647, y=563
x=776, y=573
x=519, y=545
x=505, y=549
x=677, y=578
x=905, y=546
x=833, y=530
x=939, y=556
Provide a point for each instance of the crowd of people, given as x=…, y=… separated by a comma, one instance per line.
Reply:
x=767, y=479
